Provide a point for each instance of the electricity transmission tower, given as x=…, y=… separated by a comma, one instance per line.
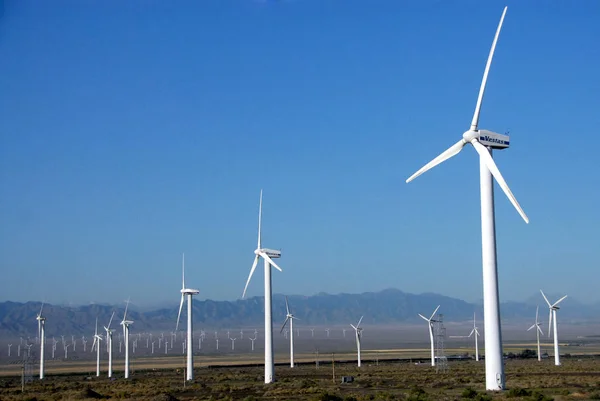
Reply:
x=439, y=332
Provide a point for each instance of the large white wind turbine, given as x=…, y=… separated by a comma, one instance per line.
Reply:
x=189, y=292
x=289, y=317
x=42, y=335
x=96, y=343
x=268, y=255
x=553, y=309
x=430, y=322
x=538, y=331
x=483, y=142
x=476, y=333
x=126, y=323
x=109, y=333
x=358, y=332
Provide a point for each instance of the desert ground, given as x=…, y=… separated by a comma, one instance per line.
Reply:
x=395, y=366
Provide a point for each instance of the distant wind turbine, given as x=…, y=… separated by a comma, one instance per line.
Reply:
x=358, y=331
x=109, y=334
x=553, y=309
x=42, y=335
x=538, y=331
x=189, y=292
x=268, y=255
x=96, y=343
x=430, y=322
x=289, y=317
x=484, y=142
x=476, y=333
x=126, y=323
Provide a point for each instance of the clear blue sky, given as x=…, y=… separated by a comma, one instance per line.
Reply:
x=133, y=131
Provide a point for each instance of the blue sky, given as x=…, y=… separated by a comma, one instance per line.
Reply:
x=134, y=131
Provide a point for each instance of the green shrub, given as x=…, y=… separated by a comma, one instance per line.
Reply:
x=539, y=396
x=518, y=392
x=417, y=394
x=469, y=393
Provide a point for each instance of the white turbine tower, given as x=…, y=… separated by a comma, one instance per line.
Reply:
x=42, y=336
x=430, y=322
x=538, y=331
x=484, y=141
x=476, y=333
x=96, y=343
x=289, y=317
x=358, y=331
x=189, y=292
x=553, y=309
x=126, y=323
x=109, y=334
x=268, y=255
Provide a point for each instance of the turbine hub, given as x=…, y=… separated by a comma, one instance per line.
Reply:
x=470, y=135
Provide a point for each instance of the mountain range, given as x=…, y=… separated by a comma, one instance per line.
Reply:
x=391, y=306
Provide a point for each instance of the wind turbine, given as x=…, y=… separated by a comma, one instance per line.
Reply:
x=126, y=323
x=484, y=141
x=538, y=331
x=96, y=343
x=268, y=255
x=42, y=336
x=109, y=333
x=358, y=331
x=189, y=292
x=553, y=309
x=430, y=322
x=289, y=317
x=476, y=332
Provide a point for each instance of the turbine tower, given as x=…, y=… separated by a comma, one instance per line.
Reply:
x=483, y=142
x=126, y=323
x=109, y=334
x=358, y=331
x=42, y=335
x=189, y=292
x=430, y=322
x=289, y=317
x=476, y=333
x=268, y=255
x=538, y=331
x=96, y=343
x=553, y=309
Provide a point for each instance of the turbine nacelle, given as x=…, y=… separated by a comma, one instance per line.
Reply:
x=273, y=254
x=189, y=291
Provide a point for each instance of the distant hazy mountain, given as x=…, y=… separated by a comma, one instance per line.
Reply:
x=390, y=306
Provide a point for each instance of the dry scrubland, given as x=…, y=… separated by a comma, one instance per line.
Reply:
x=576, y=379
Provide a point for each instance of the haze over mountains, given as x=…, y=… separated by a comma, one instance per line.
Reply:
x=389, y=306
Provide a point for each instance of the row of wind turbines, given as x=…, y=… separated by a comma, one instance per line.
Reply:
x=484, y=142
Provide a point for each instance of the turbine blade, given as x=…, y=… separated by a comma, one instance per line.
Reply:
x=259, y=218
x=549, y=323
x=540, y=330
x=532, y=326
x=179, y=314
x=183, y=271
x=354, y=327
x=423, y=317
x=264, y=255
x=96, y=331
x=250, y=276
x=548, y=302
x=287, y=307
x=94, y=343
x=433, y=314
x=537, y=309
x=491, y=165
x=471, y=333
x=41, y=309
x=445, y=155
x=111, y=319
x=475, y=120
x=284, y=323
x=126, y=306
x=559, y=301
x=360, y=320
